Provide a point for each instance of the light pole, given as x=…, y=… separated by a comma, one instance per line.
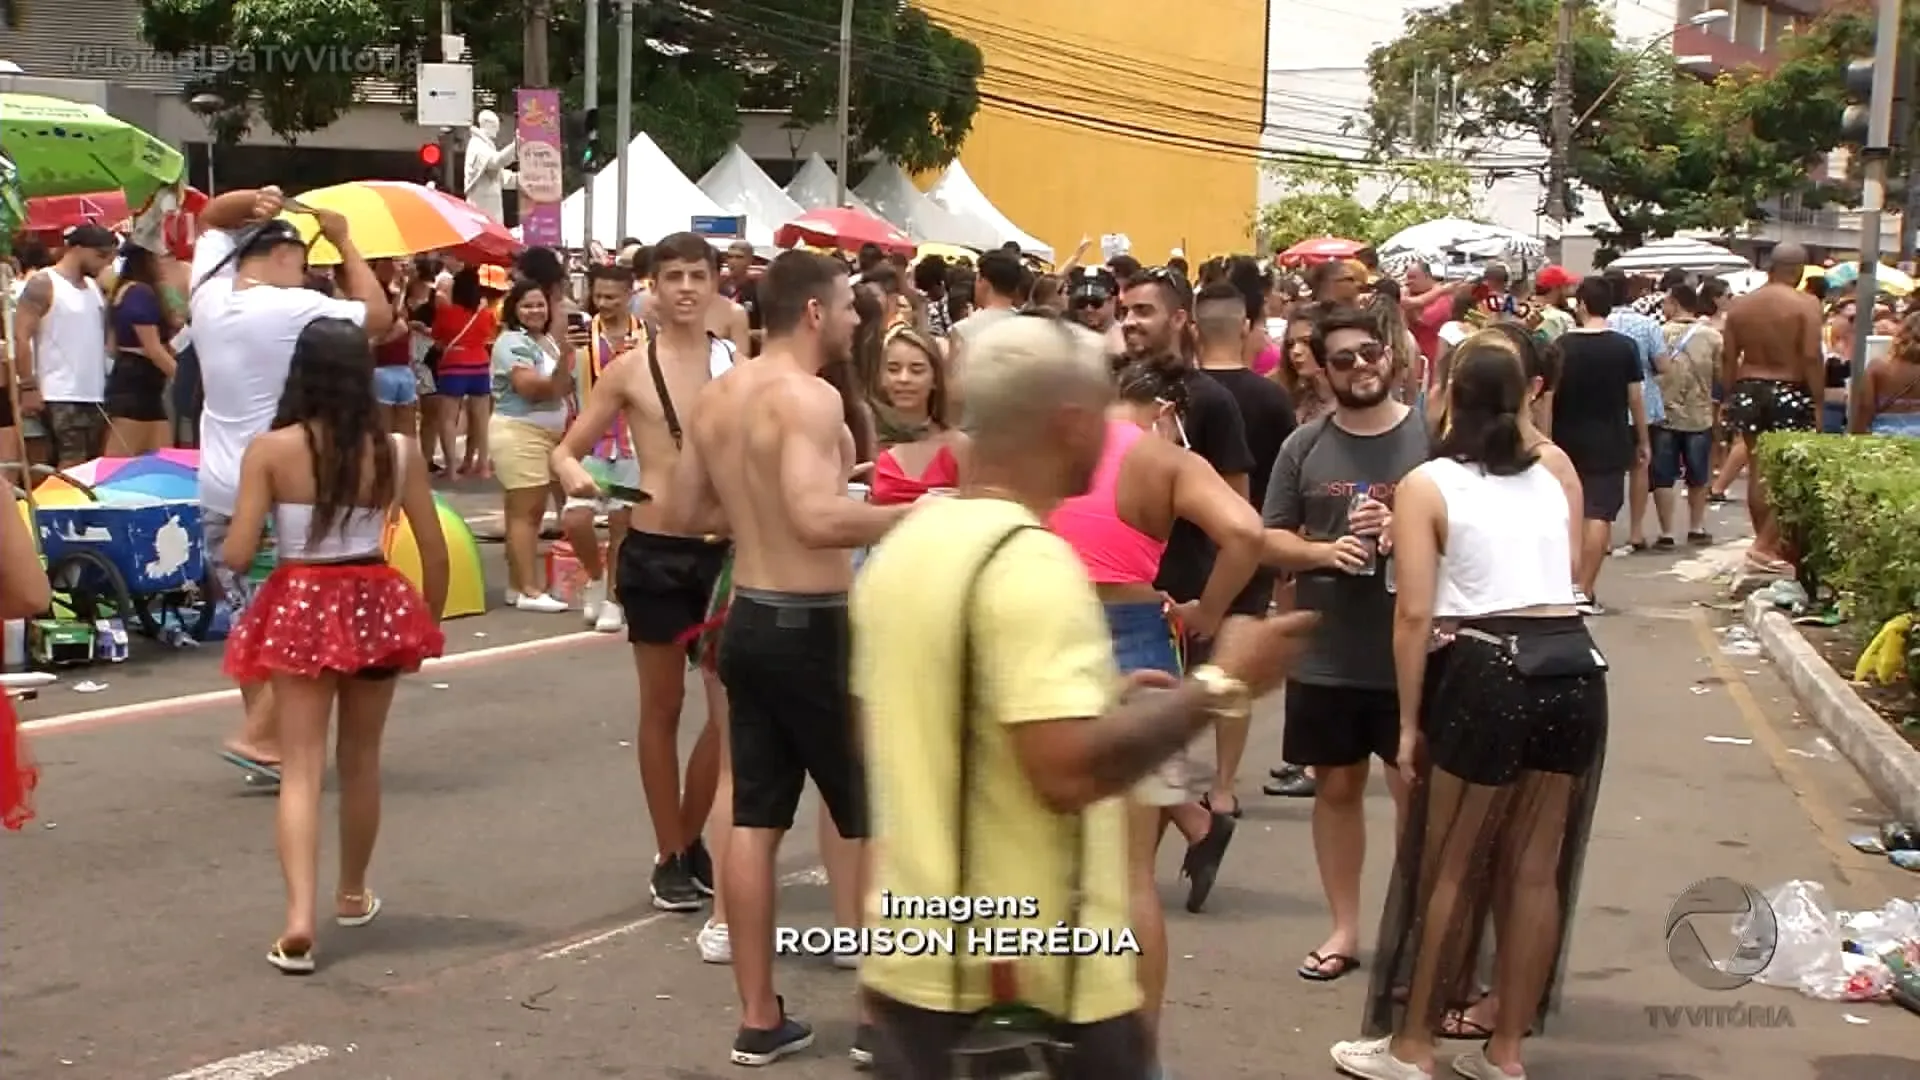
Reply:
x=842, y=121
x=590, y=103
x=1886, y=46
x=623, y=119
x=206, y=107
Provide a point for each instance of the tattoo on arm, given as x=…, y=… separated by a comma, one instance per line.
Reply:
x=37, y=299
x=1135, y=737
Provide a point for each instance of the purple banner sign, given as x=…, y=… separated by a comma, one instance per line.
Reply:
x=536, y=130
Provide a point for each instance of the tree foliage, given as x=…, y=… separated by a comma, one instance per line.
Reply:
x=914, y=91
x=1325, y=199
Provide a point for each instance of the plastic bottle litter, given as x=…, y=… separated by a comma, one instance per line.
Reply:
x=1834, y=955
x=1739, y=641
x=1789, y=596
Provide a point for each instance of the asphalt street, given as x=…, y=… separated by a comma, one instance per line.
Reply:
x=517, y=940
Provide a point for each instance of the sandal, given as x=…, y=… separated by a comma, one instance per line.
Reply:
x=268, y=771
x=369, y=903
x=1316, y=968
x=1207, y=802
x=291, y=961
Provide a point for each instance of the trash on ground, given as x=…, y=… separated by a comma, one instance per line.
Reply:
x=441, y=685
x=1787, y=595
x=1702, y=689
x=1834, y=955
x=1852, y=1019
x=1905, y=860
x=1739, y=641
x=1819, y=749
x=1729, y=740
x=88, y=686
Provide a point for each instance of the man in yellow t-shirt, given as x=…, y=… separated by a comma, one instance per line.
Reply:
x=1052, y=745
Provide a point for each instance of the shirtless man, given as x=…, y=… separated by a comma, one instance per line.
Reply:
x=769, y=453
x=1775, y=374
x=664, y=577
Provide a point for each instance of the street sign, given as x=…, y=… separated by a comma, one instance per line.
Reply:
x=443, y=96
x=726, y=228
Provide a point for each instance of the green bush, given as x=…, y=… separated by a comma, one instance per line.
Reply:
x=1850, y=507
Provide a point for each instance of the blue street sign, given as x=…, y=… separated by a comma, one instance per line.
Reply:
x=726, y=227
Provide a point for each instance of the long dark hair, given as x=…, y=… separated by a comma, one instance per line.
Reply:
x=330, y=395
x=1487, y=392
x=510, y=309
x=465, y=288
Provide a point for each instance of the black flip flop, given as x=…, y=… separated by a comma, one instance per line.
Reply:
x=1207, y=801
x=1315, y=969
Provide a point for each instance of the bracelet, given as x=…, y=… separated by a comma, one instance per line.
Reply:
x=1227, y=697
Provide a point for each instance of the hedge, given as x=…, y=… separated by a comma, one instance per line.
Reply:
x=1849, y=507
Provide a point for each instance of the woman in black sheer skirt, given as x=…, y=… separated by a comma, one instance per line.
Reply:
x=1504, y=739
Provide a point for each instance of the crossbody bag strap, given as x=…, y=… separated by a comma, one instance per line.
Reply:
x=660, y=386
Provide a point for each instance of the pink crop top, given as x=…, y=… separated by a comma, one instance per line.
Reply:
x=892, y=486
x=1115, y=553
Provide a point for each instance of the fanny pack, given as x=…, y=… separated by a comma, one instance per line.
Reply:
x=1556, y=652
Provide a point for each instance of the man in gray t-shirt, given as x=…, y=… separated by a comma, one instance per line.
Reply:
x=1330, y=498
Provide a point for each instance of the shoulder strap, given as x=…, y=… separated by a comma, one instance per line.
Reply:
x=969, y=702
x=660, y=386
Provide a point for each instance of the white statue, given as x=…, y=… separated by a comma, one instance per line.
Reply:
x=487, y=172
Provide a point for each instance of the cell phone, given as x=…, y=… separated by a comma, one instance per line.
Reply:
x=629, y=494
x=578, y=321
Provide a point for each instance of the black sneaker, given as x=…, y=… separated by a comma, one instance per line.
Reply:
x=761, y=1046
x=862, y=1052
x=672, y=887
x=700, y=866
x=1203, y=859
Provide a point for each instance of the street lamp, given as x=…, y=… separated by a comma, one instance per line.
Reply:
x=1705, y=18
x=206, y=107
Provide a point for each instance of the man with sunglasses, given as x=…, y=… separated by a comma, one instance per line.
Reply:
x=249, y=304
x=1328, y=503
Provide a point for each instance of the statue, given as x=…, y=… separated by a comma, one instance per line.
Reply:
x=487, y=172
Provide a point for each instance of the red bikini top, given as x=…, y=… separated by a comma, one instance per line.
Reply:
x=892, y=486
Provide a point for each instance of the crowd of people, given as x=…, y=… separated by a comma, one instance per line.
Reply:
x=1047, y=529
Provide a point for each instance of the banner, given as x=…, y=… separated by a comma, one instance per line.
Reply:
x=536, y=130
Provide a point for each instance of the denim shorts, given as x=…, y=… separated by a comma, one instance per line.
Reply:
x=464, y=384
x=1681, y=454
x=394, y=386
x=1144, y=641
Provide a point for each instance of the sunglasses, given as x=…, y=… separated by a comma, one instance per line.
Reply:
x=1346, y=359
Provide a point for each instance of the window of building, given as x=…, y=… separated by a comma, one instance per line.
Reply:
x=1750, y=24
x=1723, y=29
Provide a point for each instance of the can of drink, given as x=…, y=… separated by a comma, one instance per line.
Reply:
x=943, y=492
x=858, y=492
x=1371, y=543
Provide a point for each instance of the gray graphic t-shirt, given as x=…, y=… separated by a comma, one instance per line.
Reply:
x=1320, y=468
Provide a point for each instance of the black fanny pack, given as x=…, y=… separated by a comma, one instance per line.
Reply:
x=1550, y=652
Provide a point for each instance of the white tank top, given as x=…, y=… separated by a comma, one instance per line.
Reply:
x=1507, y=546
x=70, y=348
x=358, y=537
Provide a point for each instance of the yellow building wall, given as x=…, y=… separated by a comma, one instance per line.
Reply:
x=1133, y=116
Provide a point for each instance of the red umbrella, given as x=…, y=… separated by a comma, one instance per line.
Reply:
x=842, y=227
x=1319, y=250
x=58, y=213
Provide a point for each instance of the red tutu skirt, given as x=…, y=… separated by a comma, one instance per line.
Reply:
x=344, y=618
x=18, y=777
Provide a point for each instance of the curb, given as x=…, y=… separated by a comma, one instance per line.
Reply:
x=1888, y=763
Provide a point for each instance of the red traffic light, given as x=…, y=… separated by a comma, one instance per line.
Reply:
x=430, y=155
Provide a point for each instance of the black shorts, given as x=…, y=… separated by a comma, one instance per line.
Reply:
x=136, y=390
x=1757, y=406
x=1334, y=726
x=1602, y=495
x=665, y=584
x=918, y=1044
x=783, y=660
x=1487, y=724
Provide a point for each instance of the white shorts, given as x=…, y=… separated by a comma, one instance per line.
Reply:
x=622, y=471
x=605, y=504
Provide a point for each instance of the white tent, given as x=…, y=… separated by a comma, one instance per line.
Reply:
x=1680, y=253
x=816, y=187
x=957, y=192
x=740, y=186
x=660, y=200
x=890, y=190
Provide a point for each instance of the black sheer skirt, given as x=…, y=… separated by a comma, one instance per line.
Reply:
x=1496, y=833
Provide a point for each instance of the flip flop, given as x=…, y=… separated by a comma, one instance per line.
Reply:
x=252, y=766
x=372, y=912
x=1207, y=801
x=1316, y=970
x=1764, y=565
x=291, y=963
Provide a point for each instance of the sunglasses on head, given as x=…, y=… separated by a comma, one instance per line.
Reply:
x=1346, y=359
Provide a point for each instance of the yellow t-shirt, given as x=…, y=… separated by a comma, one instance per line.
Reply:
x=1042, y=653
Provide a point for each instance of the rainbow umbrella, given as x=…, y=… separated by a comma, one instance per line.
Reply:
x=391, y=219
x=169, y=475
x=466, y=583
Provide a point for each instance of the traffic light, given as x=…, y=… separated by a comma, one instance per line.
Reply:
x=431, y=162
x=583, y=131
x=1856, y=121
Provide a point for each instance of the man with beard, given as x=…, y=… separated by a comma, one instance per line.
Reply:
x=1157, y=313
x=1329, y=498
x=768, y=456
x=665, y=576
x=1091, y=294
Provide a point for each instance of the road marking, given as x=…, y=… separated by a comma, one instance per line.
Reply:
x=258, y=1065
x=185, y=702
x=604, y=936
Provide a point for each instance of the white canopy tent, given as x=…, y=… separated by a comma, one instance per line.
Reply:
x=957, y=192
x=1679, y=253
x=660, y=201
x=742, y=187
x=817, y=187
x=1445, y=236
x=890, y=191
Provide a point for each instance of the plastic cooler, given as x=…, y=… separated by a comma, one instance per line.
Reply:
x=154, y=547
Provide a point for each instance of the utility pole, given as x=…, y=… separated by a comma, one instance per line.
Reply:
x=1557, y=210
x=451, y=174
x=1886, y=53
x=533, y=45
x=842, y=120
x=623, y=114
x=590, y=101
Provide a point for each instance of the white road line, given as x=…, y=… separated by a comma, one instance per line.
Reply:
x=258, y=1065
x=603, y=937
x=457, y=660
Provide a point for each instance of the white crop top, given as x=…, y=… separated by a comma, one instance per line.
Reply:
x=1508, y=545
x=361, y=535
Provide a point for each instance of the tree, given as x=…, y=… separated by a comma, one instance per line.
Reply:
x=295, y=64
x=1323, y=199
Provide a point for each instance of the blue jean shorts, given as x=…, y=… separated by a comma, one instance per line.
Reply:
x=394, y=386
x=1678, y=455
x=1144, y=641
x=464, y=384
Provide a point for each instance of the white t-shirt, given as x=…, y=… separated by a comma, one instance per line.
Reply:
x=70, y=348
x=245, y=339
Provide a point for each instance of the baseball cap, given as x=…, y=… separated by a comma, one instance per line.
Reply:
x=92, y=236
x=1554, y=276
x=1093, y=283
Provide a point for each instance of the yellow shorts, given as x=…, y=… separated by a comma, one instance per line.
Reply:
x=520, y=452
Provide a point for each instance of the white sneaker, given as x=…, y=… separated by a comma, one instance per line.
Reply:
x=846, y=961
x=1372, y=1059
x=510, y=598
x=716, y=947
x=591, y=597
x=540, y=603
x=612, y=618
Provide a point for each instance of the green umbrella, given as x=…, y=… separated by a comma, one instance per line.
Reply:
x=12, y=213
x=65, y=148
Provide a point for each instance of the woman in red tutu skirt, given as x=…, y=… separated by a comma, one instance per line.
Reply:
x=335, y=624
x=24, y=594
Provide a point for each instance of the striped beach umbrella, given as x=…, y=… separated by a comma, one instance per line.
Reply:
x=391, y=219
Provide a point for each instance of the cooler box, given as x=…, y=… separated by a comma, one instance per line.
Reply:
x=566, y=578
x=156, y=547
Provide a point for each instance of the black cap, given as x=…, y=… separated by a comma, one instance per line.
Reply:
x=266, y=236
x=1095, y=283
x=92, y=236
